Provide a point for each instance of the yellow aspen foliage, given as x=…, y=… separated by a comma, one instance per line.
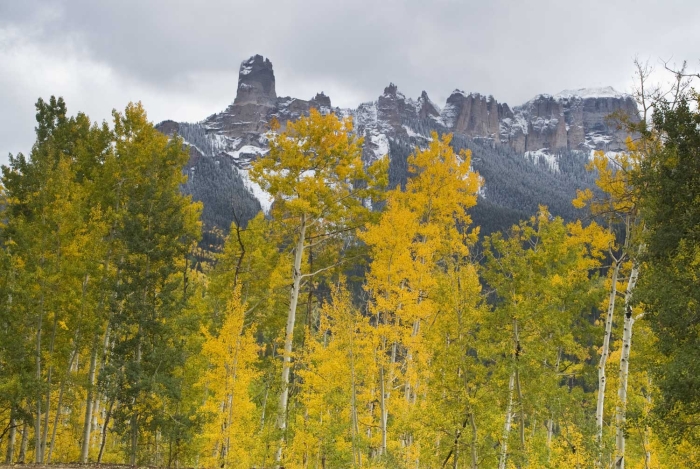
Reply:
x=321, y=191
x=615, y=173
x=422, y=228
x=542, y=275
x=229, y=437
x=336, y=390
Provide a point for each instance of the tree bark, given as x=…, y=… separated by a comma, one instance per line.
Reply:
x=506, y=426
x=23, y=445
x=58, y=406
x=604, y=354
x=521, y=412
x=9, y=455
x=105, y=428
x=621, y=409
x=38, y=457
x=49, y=376
x=382, y=409
x=289, y=336
x=356, y=453
x=89, y=404
x=475, y=440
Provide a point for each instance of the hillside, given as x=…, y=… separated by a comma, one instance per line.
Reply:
x=529, y=155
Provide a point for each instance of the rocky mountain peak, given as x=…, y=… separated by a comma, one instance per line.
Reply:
x=392, y=125
x=426, y=108
x=256, y=81
x=472, y=115
x=321, y=101
x=391, y=90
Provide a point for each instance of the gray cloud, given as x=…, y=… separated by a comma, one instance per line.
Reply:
x=181, y=58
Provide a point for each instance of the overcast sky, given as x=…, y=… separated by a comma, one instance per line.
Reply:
x=181, y=58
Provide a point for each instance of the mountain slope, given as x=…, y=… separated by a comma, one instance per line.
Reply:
x=529, y=155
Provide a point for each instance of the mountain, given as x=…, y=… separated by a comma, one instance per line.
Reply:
x=528, y=155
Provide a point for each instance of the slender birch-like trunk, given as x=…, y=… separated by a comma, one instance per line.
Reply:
x=89, y=404
x=49, y=377
x=621, y=408
x=9, y=455
x=134, y=423
x=38, y=457
x=521, y=405
x=356, y=453
x=104, y=431
x=73, y=354
x=550, y=421
x=385, y=391
x=506, y=426
x=24, y=443
x=289, y=336
x=264, y=406
x=521, y=411
x=408, y=391
x=604, y=354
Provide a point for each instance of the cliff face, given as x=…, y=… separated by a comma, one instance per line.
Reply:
x=541, y=129
x=570, y=120
x=537, y=124
x=472, y=115
x=588, y=114
x=239, y=131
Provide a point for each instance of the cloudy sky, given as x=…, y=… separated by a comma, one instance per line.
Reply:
x=181, y=58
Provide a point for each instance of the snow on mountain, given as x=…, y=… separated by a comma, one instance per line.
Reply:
x=585, y=93
x=543, y=156
x=540, y=129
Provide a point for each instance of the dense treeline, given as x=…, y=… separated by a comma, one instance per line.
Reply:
x=355, y=325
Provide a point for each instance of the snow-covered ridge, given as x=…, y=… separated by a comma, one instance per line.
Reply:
x=540, y=129
x=602, y=92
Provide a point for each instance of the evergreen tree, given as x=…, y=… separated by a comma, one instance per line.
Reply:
x=669, y=188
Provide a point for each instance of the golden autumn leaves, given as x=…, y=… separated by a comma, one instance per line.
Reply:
x=352, y=326
x=414, y=363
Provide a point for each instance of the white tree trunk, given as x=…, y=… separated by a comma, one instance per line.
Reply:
x=9, y=455
x=506, y=426
x=23, y=444
x=89, y=404
x=38, y=457
x=57, y=417
x=621, y=407
x=604, y=354
x=385, y=390
x=289, y=335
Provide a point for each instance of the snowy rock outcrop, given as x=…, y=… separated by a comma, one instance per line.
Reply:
x=570, y=120
x=538, y=130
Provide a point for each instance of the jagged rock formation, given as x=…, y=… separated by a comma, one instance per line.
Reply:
x=472, y=115
x=256, y=82
x=541, y=130
x=573, y=120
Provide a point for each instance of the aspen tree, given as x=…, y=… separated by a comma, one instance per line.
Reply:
x=315, y=175
x=618, y=205
x=230, y=356
x=419, y=230
x=335, y=388
x=541, y=274
x=52, y=229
